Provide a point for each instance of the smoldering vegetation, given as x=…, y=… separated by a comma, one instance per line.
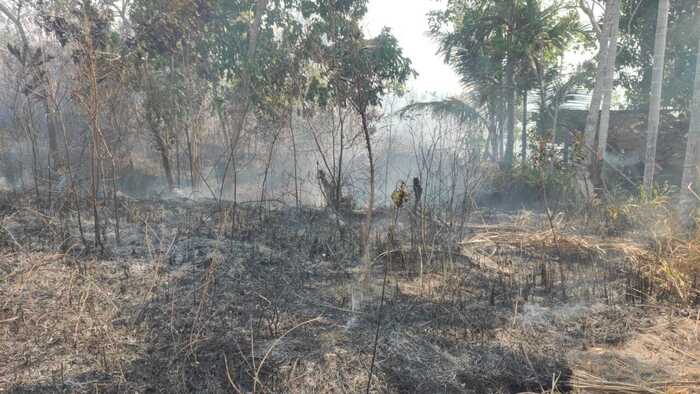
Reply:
x=284, y=304
x=239, y=196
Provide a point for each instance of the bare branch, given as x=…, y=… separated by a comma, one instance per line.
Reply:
x=5, y=10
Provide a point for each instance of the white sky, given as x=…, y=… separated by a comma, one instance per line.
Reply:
x=408, y=22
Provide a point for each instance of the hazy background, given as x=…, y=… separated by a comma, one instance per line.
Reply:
x=407, y=21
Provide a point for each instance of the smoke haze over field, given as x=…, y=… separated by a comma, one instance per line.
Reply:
x=261, y=196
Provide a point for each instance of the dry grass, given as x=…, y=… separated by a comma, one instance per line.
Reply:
x=181, y=307
x=61, y=318
x=664, y=358
x=670, y=262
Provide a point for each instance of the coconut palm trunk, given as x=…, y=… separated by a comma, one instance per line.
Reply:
x=510, y=94
x=523, y=136
x=655, y=96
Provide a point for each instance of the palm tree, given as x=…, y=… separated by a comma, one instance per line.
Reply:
x=500, y=46
x=655, y=99
x=455, y=107
x=558, y=90
x=479, y=46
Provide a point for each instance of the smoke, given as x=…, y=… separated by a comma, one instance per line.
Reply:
x=4, y=184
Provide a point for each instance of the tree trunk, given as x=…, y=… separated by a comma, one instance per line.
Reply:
x=523, y=137
x=164, y=150
x=51, y=131
x=655, y=96
x=510, y=128
x=492, y=143
x=18, y=24
x=294, y=157
x=268, y=165
x=177, y=160
x=608, y=80
x=607, y=94
x=339, y=174
x=501, y=131
x=387, y=198
x=192, y=156
x=510, y=94
x=583, y=169
x=92, y=106
x=43, y=74
x=242, y=104
x=167, y=169
x=555, y=121
x=94, y=185
x=688, y=201
x=370, y=205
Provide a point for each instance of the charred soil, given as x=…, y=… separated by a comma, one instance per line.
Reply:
x=279, y=301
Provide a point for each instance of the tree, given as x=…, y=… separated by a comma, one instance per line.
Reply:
x=608, y=86
x=688, y=199
x=636, y=60
x=364, y=72
x=84, y=28
x=601, y=88
x=460, y=109
x=498, y=46
x=655, y=95
x=169, y=37
x=509, y=85
x=35, y=59
x=356, y=72
x=476, y=39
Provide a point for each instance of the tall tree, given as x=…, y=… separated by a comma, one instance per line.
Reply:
x=510, y=85
x=497, y=46
x=655, y=95
x=608, y=87
x=637, y=46
x=35, y=59
x=85, y=28
x=523, y=133
x=585, y=168
x=369, y=69
x=688, y=200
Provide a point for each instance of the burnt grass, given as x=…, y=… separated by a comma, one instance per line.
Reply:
x=281, y=302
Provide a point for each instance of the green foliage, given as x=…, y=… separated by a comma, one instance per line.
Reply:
x=214, y=35
x=501, y=46
x=358, y=71
x=547, y=172
x=163, y=28
x=472, y=37
x=310, y=50
x=635, y=59
x=79, y=24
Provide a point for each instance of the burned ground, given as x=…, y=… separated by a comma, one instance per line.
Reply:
x=280, y=302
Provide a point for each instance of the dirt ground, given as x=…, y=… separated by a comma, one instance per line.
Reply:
x=281, y=303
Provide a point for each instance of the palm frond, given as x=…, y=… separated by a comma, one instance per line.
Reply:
x=453, y=107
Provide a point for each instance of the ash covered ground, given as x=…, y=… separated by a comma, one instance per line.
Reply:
x=195, y=299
